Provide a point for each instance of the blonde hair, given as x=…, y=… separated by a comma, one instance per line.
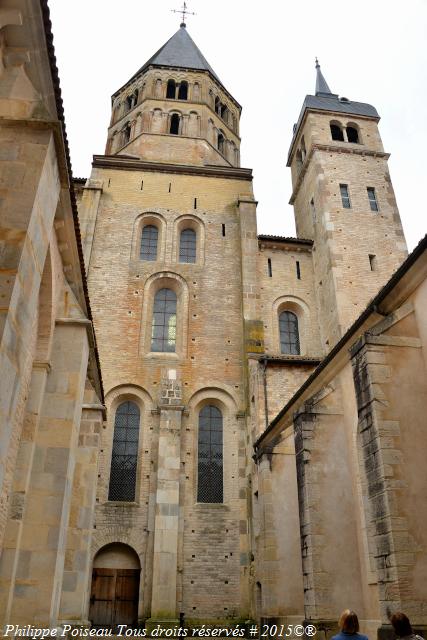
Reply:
x=349, y=622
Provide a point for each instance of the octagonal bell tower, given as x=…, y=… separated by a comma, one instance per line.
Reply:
x=175, y=109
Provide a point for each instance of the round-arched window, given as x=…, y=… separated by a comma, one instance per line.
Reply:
x=124, y=458
x=210, y=464
x=289, y=334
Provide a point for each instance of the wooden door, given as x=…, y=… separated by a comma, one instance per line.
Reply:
x=114, y=597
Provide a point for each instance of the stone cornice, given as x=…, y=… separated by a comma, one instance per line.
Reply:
x=129, y=164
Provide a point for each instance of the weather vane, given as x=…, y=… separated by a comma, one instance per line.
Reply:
x=184, y=12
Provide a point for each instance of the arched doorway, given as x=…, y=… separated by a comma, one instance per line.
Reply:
x=115, y=587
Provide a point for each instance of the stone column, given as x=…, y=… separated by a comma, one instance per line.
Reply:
x=254, y=328
x=184, y=129
x=165, y=560
x=392, y=405
x=78, y=559
x=88, y=212
x=133, y=129
x=267, y=561
x=329, y=536
x=138, y=128
x=165, y=122
x=27, y=209
x=13, y=534
x=278, y=548
x=46, y=511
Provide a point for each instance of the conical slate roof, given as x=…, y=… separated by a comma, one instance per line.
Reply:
x=180, y=51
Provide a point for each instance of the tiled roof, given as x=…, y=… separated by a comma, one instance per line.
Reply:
x=288, y=239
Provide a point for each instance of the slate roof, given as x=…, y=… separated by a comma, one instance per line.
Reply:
x=331, y=102
x=325, y=100
x=179, y=51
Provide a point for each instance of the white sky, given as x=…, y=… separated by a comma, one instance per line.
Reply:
x=372, y=51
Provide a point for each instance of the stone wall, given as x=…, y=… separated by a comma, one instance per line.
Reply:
x=212, y=542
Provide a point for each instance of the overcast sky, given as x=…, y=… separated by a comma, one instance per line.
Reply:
x=372, y=51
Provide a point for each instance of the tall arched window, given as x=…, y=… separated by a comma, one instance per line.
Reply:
x=149, y=239
x=209, y=468
x=129, y=103
x=187, y=246
x=336, y=132
x=352, y=135
x=163, y=328
x=126, y=133
x=124, y=458
x=221, y=142
x=171, y=89
x=183, y=90
x=289, y=335
x=174, y=127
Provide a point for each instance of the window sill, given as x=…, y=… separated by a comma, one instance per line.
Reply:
x=120, y=503
x=163, y=355
x=213, y=505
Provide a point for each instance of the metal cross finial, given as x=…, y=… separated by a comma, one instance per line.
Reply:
x=184, y=12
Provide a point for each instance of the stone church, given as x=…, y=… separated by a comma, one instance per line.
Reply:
x=201, y=424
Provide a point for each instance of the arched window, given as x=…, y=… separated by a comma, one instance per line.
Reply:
x=149, y=239
x=224, y=112
x=171, y=89
x=187, y=246
x=209, y=468
x=124, y=458
x=163, y=328
x=303, y=149
x=299, y=160
x=129, y=103
x=174, y=127
x=336, y=132
x=126, y=134
x=221, y=142
x=289, y=335
x=183, y=90
x=352, y=135
x=217, y=105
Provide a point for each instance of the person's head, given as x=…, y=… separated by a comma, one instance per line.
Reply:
x=349, y=622
x=401, y=624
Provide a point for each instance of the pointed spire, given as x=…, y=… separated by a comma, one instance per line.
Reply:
x=321, y=84
x=180, y=51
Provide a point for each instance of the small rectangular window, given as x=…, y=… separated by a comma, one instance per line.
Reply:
x=142, y=185
x=298, y=271
x=373, y=262
x=270, y=270
x=372, y=198
x=170, y=186
x=223, y=229
x=195, y=203
x=345, y=197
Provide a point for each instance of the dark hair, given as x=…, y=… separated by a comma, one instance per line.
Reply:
x=401, y=624
x=349, y=622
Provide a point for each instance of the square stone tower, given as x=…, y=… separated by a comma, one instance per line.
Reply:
x=168, y=226
x=344, y=201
